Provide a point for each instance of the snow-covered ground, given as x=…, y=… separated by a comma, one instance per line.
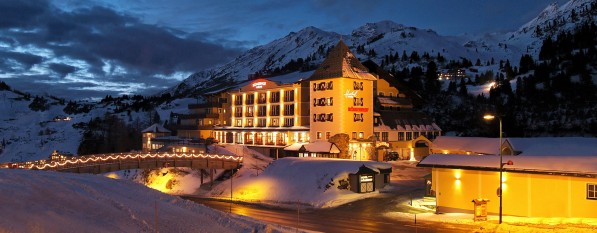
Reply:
x=42, y=201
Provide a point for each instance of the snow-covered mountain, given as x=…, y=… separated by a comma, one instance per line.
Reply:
x=388, y=38
x=549, y=23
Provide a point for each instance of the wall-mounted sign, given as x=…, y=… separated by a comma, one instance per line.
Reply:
x=350, y=94
x=259, y=85
x=366, y=178
x=356, y=109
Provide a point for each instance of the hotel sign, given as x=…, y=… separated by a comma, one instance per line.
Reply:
x=259, y=85
x=357, y=109
x=350, y=94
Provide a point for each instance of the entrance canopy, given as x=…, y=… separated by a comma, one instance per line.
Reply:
x=314, y=147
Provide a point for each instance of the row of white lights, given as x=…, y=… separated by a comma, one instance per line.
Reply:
x=130, y=156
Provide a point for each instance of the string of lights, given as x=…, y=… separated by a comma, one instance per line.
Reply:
x=82, y=160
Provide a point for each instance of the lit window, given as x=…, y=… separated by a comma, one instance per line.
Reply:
x=318, y=135
x=361, y=135
x=592, y=191
x=354, y=135
x=327, y=135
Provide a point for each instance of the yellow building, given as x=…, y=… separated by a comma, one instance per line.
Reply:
x=342, y=101
x=152, y=132
x=270, y=114
x=550, y=177
x=266, y=115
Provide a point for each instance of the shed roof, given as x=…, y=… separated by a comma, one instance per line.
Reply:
x=156, y=128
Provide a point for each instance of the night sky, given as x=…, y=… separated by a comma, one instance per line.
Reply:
x=75, y=49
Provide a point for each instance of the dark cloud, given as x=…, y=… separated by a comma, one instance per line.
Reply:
x=62, y=69
x=96, y=35
x=26, y=60
x=21, y=14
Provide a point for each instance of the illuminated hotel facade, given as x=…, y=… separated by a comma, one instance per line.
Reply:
x=269, y=115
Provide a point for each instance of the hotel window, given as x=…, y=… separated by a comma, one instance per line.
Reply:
x=318, y=135
x=314, y=102
x=261, y=98
x=357, y=85
x=289, y=96
x=409, y=136
x=274, y=97
x=384, y=136
x=289, y=110
x=288, y=122
x=250, y=99
x=321, y=102
x=261, y=111
x=249, y=111
x=327, y=135
x=314, y=117
x=416, y=135
x=330, y=85
x=330, y=117
x=358, y=117
x=249, y=123
x=238, y=100
x=357, y=101
x=361, y=135
x=376, y=136
x=354, y=135
x=274, y=110
x=330, y=101
x=314, y=86
x=239, y=112
x=321, y=117
x=269, y=139
x=400, y=136
x=261, y=122
x=239, y=138
x=239, y=122
x=275, y=122
x=592, y=191
x=381, y=94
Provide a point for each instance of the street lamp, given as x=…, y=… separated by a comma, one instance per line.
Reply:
x=491, y=117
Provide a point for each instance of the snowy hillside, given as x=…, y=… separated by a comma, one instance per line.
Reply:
x=388, y=38
x=529, y=37
x=27, y=135
x=40, y=201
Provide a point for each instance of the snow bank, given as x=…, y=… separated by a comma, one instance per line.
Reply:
x=310, y=181
x=41, y=201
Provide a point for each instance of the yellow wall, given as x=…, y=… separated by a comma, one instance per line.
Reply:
x=384, y=87
x=343, y=118
x=525, y=194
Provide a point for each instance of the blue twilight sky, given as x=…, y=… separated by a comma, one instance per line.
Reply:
x=74, y=49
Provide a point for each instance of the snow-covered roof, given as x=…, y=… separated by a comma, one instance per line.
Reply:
x=577, y=146
x=315, y=147
x=473, y=144
x=156, y=128
x=541, y=146
x=580, y=165
x=340, y=62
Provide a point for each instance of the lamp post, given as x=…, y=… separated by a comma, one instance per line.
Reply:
x=491, y=117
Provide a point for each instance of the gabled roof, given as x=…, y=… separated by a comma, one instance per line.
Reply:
x=156, y=128
x=473, y=144
x=408, y=120
x=340, y=62
x=557, y=165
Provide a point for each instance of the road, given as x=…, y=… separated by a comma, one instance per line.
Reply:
x=347, y=218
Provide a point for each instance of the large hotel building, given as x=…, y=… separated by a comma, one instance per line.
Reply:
x=340, y=110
